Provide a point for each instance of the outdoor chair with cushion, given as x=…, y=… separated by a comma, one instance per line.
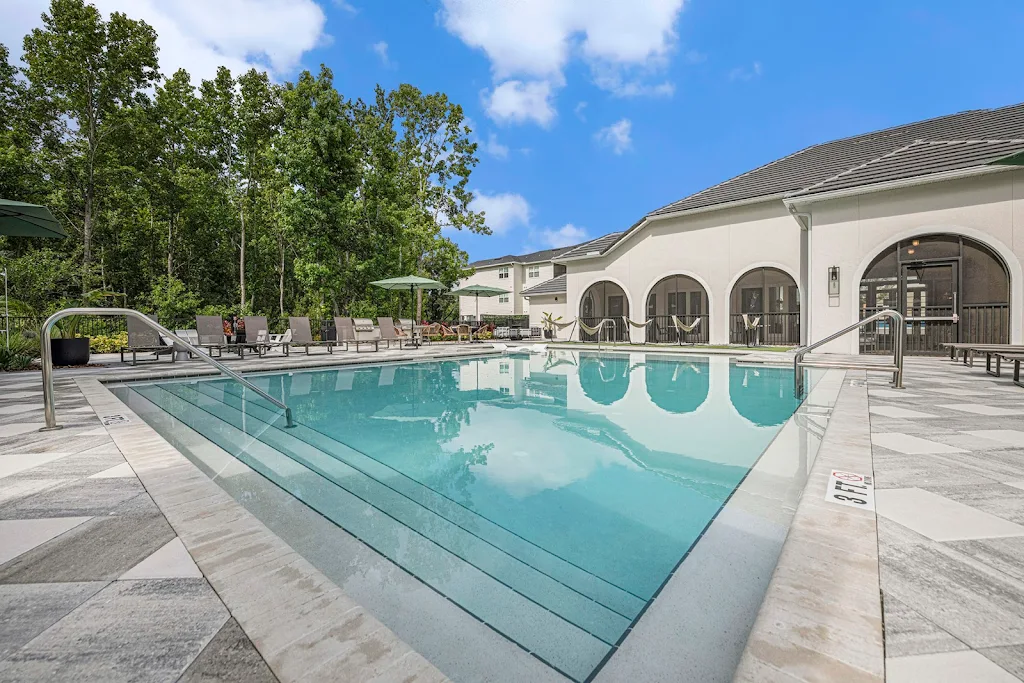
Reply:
x=302, y=336
x=390, y=333
x=143, y=338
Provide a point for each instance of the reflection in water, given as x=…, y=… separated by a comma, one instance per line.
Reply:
x=605, y=379
x=552, y=449
x=677, y=386
x=763, y=395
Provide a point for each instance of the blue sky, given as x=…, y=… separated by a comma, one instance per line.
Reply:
x=679, y=94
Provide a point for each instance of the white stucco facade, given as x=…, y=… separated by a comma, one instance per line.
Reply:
x=804, y=238
x=521, y=276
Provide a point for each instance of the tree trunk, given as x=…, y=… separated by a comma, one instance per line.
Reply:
x=87, y=235
x=241, y=259
x=419, y=305
x=280, y=277
x=170, y=248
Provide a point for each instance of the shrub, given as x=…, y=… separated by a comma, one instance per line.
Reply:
x=108, y=343
x=23, y=350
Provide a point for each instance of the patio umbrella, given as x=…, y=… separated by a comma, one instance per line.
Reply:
x=19, y=219
x=477, y=291
x=410, y=282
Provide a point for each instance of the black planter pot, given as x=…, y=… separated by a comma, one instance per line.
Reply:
x=70, y=351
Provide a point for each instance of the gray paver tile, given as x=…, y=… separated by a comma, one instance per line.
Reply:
x=30, y=609
x=1010, y=658
x=101, y=549
x=229, y=658
x=131, y=630
x=946, y=667
x=84, y=497
x=909, y=633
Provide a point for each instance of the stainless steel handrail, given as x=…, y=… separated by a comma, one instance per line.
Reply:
x=46, y=355
x=899, y=333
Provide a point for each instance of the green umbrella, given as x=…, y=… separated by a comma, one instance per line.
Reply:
x=477, y=291
x=410, y=282
x=19, y=219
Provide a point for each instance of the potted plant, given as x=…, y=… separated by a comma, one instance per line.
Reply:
x=67, y=346
x=549, y=325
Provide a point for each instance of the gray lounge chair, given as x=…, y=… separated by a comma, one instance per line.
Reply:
x=210, y=329
x=390, y=333
x=257, y=335
x=303, y=336
x=347, y=333
x=144, y=339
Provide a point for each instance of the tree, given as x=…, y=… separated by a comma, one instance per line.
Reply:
x=85, y=69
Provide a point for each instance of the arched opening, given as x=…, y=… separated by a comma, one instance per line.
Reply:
x=677, y=387
x=683, y=297
x=770, y=300
x=604, y=304
x=604, y=380
x=950, y=288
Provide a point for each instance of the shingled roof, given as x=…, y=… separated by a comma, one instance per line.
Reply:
x=533, y=257
x=555, y=285
x=593, y=246
x=885, y=149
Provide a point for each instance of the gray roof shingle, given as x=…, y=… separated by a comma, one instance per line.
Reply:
x=555, y=285
x=593, y=246
x=534, y=257
x=817, y=163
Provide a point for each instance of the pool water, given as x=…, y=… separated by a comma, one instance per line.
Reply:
x=550, y=495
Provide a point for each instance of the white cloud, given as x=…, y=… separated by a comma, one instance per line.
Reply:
x=564, y=236
x=743, y=73
x=612, y=82
x=534, y=40
x=618, y=136
x=519, y=102
x=578, y=110
x=381, y=48
x=341, y=4
x=503, y=211
x=495, y=148
x=199, y=35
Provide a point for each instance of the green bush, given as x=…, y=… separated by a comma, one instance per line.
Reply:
x=108, y=343
x=24, y=349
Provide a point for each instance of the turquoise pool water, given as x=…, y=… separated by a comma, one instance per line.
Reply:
x=549, y=495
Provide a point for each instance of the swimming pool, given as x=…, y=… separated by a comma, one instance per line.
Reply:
x=551, y=496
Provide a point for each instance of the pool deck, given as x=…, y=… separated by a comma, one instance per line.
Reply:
x=119, y=560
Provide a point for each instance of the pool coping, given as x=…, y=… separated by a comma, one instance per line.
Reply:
x=298, y=620
x=224, y=533
x=821, y=619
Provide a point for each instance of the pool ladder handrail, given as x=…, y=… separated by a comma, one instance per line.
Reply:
x=46, y=357
x=896, y=368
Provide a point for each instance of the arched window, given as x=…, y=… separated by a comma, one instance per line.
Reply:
x=604, y=301
x=951, y=289
x=683, y=297
x=770, y=300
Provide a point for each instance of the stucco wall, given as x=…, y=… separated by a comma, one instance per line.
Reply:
x=549, y=303
x=491, y=305
x=714, y=248
x=850, y=232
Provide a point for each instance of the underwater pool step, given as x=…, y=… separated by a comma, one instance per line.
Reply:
x=605, y=593
x=547, y=593
x=537, y=629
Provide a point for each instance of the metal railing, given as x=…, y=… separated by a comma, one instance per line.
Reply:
x=664, y=331
x=773, y=329
x=897, y=323
x=46, y=355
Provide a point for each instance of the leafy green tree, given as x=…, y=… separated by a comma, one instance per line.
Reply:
x=84, y=70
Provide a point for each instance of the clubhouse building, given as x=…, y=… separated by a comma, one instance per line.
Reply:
x=926, y=218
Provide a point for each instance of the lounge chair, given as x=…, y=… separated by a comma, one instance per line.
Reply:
x=347, y=333
x=302, y=336
x=210, y=330
x=682, y=330
x=143, y=338
x=390, y=333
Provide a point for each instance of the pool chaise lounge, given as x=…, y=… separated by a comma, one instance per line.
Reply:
x=967, y=351
x=302, y=336
x=144, y=339
x=389, y=332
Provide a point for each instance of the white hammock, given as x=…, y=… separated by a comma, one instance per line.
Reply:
x=685, y=328
x=595, y=330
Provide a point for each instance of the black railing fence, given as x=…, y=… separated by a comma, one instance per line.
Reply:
x=662, y=330
x=773, y=329
x=613, y=331
x=978, y=324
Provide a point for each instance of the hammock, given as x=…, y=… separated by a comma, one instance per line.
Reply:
x=684, y=329
x=642, y=326
x=594, y=330
x=750, y=325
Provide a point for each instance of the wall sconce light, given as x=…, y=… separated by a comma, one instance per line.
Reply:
x=833, y=281
x=915, y=243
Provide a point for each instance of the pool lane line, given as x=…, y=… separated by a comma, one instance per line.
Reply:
x=497, y=580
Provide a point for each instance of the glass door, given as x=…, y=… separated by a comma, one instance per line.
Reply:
x=930, y=292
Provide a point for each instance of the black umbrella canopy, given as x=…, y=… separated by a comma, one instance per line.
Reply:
x=18, y=219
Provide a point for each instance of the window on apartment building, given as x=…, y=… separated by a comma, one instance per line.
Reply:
x=503, y=273
x=533, y=271
x=503, y=298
